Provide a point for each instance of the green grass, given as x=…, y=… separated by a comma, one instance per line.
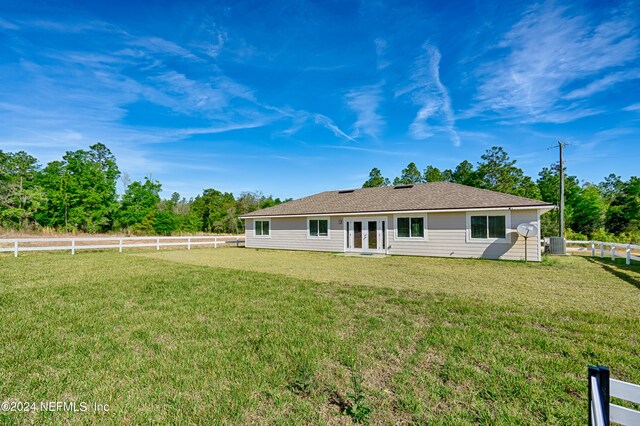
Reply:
x=246, y=336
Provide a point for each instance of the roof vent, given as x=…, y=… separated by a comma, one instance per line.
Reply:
x=346, y=191
x=402, y=186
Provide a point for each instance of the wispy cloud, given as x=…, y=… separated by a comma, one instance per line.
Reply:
x=365, y=102
x=381, y=53
x=329, y=124
x=426, y=89
x=547, y=51
x=603, y=84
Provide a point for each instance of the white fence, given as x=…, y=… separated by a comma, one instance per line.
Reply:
x=603, y=249
x=17, y=245
x=601, y=389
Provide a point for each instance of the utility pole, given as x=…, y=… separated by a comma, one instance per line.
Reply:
x=561, y=147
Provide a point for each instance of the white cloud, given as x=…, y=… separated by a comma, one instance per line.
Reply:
x=426, y=89
x=381, y=51
x=329, y=124
x=547, y=50
x=365, y=102
x=603, y=84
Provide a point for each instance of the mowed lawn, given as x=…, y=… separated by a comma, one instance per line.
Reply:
x=260, y=337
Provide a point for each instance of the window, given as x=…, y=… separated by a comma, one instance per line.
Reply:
x=483, y=227
x=319, y=228
x=410, y=227
x=261, y=228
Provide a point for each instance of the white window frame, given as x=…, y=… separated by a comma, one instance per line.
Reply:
x=312, y=237
x=425, y=236
x=255, y=221
x=507, y=227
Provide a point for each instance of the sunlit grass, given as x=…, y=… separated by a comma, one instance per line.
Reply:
x=260, y=342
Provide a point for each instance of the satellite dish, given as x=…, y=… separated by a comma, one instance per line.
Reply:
x=527, y=230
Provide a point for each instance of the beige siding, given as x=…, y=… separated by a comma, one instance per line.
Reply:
x=291, y=234
x=447, y=237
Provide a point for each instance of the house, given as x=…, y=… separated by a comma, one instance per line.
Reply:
x=431, y=219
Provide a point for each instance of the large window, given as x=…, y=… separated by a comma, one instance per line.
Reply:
x=261, y=228
x=410, y=227
x=319, y=228
x=484, y=227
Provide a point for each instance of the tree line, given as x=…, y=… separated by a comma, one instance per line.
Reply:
x=79, y=193
x=604, y=211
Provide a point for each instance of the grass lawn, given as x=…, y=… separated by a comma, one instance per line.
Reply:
x=258, y=336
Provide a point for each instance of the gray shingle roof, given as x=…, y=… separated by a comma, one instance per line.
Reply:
x=424, y=196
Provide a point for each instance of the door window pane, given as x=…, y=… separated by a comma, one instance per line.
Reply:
x=403, y=227
x=497, y=227
x=478, y=226
x=357, y=234
x=373, y=235
x=417, y=227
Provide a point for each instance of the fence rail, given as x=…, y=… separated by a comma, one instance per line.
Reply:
x=605, y=249
x=72, y=244
x=601, y=389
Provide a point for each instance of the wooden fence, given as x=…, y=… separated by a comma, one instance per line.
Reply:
x=17, y=245
x=603, y=249
x=601, y=389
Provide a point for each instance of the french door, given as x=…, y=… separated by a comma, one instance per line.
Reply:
x=366, y=235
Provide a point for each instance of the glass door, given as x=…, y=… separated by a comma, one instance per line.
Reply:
x=366, y=235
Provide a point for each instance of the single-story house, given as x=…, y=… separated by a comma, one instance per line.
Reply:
x=431, y=219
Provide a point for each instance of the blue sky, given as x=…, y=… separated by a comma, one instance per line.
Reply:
x=296, y=97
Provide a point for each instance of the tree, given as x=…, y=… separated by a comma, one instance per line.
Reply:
x=464, y=174
x=433, y=174
x=549, y=186
x=81, y=190
x=410, y=174
x=624, y=212
x=139, y=202
x=376, y=179
x=588, y=211
x=498, y=172
x=20, y=196
x=212, y=208
x=611, y=187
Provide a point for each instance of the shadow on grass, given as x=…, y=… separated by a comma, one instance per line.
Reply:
x=620, y=271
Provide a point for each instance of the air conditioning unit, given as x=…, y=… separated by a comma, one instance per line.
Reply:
x=557, y=245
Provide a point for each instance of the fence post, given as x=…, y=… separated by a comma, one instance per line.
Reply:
x=120, y=245
x=628, y=254
x=593, y=249
x=601, y=375
x=215, y=242
x=601, y=249
x=15, y=248
x=157, y=243
x=604, y=391
x=613, y=252
x=73, y=246
x=189, y=243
